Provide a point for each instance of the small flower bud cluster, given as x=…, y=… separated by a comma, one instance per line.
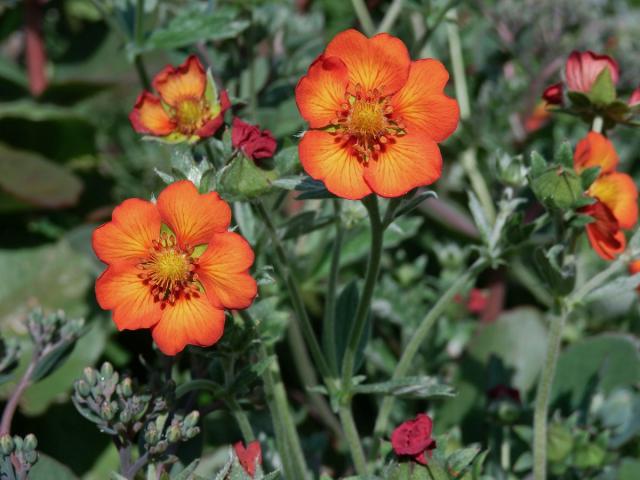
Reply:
x=18, y=455
x=111, y=403
x=160, y=434
x=9, y=355
x=51, y=330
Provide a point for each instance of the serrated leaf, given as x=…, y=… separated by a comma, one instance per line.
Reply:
x=479, y=217
x=414, y=387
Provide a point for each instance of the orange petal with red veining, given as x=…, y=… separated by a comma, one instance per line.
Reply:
x=327, y=159
x=223, y=270
x=381, y=62
x=120, y=289
x=422, y=105
x=189, y=322
x=187, y=81
x=148, y=116
x=193, y=217
x=128, y=236
x=320, y=94
x=408, y=161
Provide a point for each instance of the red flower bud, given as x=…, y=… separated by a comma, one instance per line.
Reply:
x=253, y=143
x=553, y=94
x=477, y=301
x=502, y=392
x=413, y=438
x=249, y=457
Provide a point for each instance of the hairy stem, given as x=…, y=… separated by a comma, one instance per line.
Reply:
x=12, y=404
x=469, y=156
x=329, y=324
x=417, y=339
x=241, y=419
x=353, y=439
x=541, y=411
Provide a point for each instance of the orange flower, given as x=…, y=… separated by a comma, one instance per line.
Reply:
x=616, y=195
x=173, y=267
x=187, y=108
x=374, y=116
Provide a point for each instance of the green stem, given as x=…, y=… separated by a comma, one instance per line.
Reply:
x=138, y=38
x=210, y=156
x=391, y=16
x=364, y=17
x=353, y=439
x=287, y=440
x=578, y=294
x=242, y=420
x=544, y=392
x=287, y=273
x=597, y=124
x=468, y=159
x=417, y=340
x=373, y=266
x=329, y=327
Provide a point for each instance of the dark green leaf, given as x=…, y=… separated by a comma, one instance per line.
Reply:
x=588, y=176
x=346, y=307
x=564, y=155
x=312, y=189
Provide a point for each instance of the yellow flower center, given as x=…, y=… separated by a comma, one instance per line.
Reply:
x=190, y=115
x=365, y=124
x=169, y=271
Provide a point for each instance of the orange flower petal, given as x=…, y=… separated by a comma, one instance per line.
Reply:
x=619, y=193
x=634, y=267
x=223, y=271
x=148, y=116
x=381, y=62
x=409, y=161
x=608, y=246
x=321, y=92
x=327, y=160
x=128, y=236
x=189, y=322
x=194, y=218
x=595, y=150
x=422, y=105
x=186, y=81
x=120, y=289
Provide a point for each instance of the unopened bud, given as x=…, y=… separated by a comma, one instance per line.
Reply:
x=6, y=444
x=106, y=370
x=162, y=446
x=30, y=456
x=125, y=416
x=83, y=388
x=151, y=435
x=107, y=410
x=126, y=388
x=191, y=420
x=192, y=432
x=174, y=434
x=17, y=441
x=90, y=376
x=30, y=442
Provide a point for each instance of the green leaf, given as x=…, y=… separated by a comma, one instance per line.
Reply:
x=538, y=164
x=47, y=468
x=409, y=205
x=479, y=217
x=37, y=181
x=462, y=459
x=629, y=469
x=312, y=190
x=558, y=187
x=346, y=307
x=242, y=179
x=603, y=91
x=304, y=223
x=196, y=24
x=412, y=387
x=615, y=288
x=560, y=279
x=605, y=363
x=564, y=155
x=287, y=160
x=579, y=100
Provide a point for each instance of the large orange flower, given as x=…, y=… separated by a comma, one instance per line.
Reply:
x=374, y=116
x=187, y=108
x=616, y=206
x=173, y=267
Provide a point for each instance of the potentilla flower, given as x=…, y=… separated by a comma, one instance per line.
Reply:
x=173, y=267
x=412, y=439
x=187, y=107
x=583, y=68
x=249, y=457
x=374, y=117
x=254, y=143
x=615, y=193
